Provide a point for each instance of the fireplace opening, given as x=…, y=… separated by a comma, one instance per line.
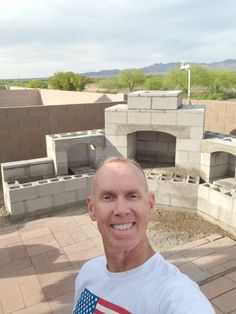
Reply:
x=155, y=147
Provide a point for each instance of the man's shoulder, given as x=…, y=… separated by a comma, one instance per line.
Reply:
x=96, y=262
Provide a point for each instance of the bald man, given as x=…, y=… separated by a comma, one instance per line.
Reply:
x=131, y=277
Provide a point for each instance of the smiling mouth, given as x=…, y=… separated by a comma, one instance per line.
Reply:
x=123, y=226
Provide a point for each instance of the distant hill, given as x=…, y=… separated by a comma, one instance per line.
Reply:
x=162, y=68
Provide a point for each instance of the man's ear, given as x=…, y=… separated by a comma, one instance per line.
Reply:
x=91, y=208
x=151, y=203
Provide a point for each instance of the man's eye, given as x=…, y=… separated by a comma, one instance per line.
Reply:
x=133, y=196
x=107, y=197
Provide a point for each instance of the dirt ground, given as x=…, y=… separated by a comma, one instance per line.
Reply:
x=171, y=228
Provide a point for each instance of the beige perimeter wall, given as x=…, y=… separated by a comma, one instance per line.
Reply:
x=220, y=116
x=23, y=129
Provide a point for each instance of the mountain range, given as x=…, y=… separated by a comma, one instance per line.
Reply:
x=162, y=68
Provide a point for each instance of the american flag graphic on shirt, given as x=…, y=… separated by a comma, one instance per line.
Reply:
x=89, y=303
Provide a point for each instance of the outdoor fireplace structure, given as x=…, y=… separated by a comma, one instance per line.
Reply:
x=155, y=126
x=185, y=167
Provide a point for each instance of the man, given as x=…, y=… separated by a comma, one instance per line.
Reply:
x=131, y=278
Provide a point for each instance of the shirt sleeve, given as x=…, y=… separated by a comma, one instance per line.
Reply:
x=185, y=299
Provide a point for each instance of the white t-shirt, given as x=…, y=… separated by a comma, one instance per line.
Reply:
x=154, y=287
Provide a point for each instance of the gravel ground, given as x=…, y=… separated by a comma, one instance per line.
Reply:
x=171, y=228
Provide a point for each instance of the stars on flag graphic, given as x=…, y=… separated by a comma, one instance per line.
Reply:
x=89, y=303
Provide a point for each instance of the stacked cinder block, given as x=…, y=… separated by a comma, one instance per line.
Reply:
x=217, y=158
x=218, y=205
x=47, y=195
x=75, y=149
x=160, y=111
x=174, y=189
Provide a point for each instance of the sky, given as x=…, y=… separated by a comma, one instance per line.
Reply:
x=41, y=37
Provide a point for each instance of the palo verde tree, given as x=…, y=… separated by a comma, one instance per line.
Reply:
x=68, y=81
x=153, y=83
x=132, y=78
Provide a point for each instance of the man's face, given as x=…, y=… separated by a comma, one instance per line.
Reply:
x=121, y=205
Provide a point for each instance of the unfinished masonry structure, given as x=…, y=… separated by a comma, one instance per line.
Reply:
x=186, y=167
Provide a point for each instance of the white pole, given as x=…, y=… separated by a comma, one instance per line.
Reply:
x=189, y=84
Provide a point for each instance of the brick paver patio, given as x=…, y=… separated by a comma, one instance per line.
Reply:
x=39, y=261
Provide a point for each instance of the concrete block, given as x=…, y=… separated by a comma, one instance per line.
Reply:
x=116, y=140
x=16, y=208
x=183, y=201
x=141, y=145
x=9, y=172
x=39, y=204
x=171, y=147
x=163, y=118
x=207, y=208
x=152, y=184
x=177, y=188
x=196, y=132
x=116, y=117
x=188, y=145
x=139, y=117
x=218, y=171
x=234, y=206
x=162, y=198
x=110, y=128
x=25, y=192
x=214, y=195
x=61, y=169
x=219, y=158
x=41, y=169
x=203, y=191
x=205, y=159
x=139, y=102
x=181, y=157
x=82, y=194
x=146, y=136
x=112, y=152
x=167, y=102
x=76, y=183
x=194, y=158
x=188, y=118
x=225, y=200
x=227, y=217
x=64, y=198
x=157, y=146
x=50, y=187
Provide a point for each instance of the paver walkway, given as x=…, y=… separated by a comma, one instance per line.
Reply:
x=39, y=261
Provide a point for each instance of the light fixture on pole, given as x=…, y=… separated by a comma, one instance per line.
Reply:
x=187, y=67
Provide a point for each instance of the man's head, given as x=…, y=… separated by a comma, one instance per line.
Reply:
x=120, y=203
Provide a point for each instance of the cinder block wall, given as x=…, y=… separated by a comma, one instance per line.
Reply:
x=23, y=129
x=220, y=116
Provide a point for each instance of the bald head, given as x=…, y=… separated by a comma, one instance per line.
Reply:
x=112, y=165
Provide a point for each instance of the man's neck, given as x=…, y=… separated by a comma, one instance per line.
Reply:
x=120, y=261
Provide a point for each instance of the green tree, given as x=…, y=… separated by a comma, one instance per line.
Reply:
x=68, y=81
x=37, y=84
x=175, y=79
x=131, y=78
x=111, y=84
x=153, y=83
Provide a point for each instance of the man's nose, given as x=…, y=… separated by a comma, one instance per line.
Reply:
x=122, y=207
